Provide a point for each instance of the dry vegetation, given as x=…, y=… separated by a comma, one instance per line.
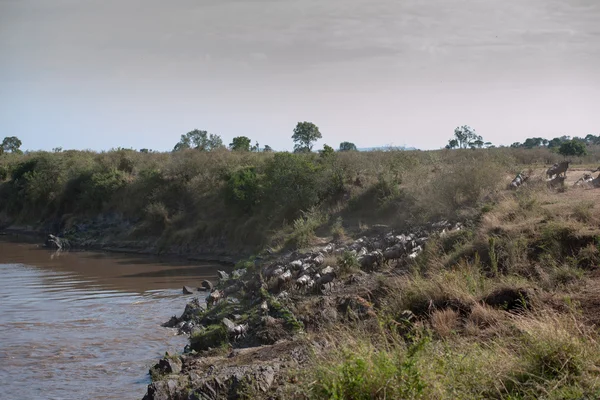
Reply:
x=236, y=200
x=505, y=308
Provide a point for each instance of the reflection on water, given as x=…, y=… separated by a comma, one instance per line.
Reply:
x=86, y=325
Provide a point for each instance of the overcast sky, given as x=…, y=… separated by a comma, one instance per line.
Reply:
x=107, y=73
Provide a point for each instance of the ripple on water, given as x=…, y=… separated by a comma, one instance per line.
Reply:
x=66, y=335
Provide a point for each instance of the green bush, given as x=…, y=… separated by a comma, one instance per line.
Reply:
x=348, y=263
x=35, y=186
x=99, y=187
x=366, y=373
x=4, y=172
x=291, y=183
x=243, y=188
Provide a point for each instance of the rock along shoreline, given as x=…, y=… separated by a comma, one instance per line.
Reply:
x=252, y=326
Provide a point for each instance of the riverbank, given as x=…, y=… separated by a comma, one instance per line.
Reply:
x=83, y=243
x=504, y=306
x=234, y=204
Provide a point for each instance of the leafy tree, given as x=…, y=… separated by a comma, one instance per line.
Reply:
x=144, y=151
x=304, y=135
x=240, y=143
x=478, y=143
x=452, y=144
x=184, y=143
x=199, y=140
x=464, y=138
x=214, y=142
x=267, y=149
x=327, y=151
x=255, y=148
x=347, y=146
x=572, y=148
x=556, y=142
x=530, y=143
x=11, y=144
x=592, y=139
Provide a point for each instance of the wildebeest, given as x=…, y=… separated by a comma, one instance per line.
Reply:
x=558, y=169
x=372, y=260
x=325, y=279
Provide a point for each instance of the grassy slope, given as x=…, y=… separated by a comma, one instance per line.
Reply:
x=543, y=242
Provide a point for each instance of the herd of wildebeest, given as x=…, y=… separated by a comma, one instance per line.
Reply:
x=556, y=175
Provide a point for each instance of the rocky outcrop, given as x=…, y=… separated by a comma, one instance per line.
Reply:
x=257, y=309
x=212, y=383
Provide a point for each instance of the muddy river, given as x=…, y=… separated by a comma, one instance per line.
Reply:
x=82, y=325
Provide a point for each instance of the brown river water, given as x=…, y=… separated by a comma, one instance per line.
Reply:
x=82, y=325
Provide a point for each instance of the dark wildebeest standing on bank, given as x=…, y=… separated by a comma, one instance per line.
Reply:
x=558, y=169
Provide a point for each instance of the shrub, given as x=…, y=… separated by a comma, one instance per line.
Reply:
x=291, y=183
x=583, y=211
x=243, y=188
x=444, y=322
x=35, y=185
x=348, y=263
x=157, y=215
x=304, y=227
x=337, y=229
x=556, y=351
x=211, y=337
x=364, y=372
x=4, y=172
x=459, y=188
x=99, y=187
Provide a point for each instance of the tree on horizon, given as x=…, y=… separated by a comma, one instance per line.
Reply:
x=465, y=137
x=347, y=146
x=199, y=140
x=305, y=134
x=240, y=143
x=11, y=144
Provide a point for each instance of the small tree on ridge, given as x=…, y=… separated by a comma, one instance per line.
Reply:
x=11, y=144
x=348, y=146
x=464, y=138
x=305, y=134
x=240, y=143
x=199, y=140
